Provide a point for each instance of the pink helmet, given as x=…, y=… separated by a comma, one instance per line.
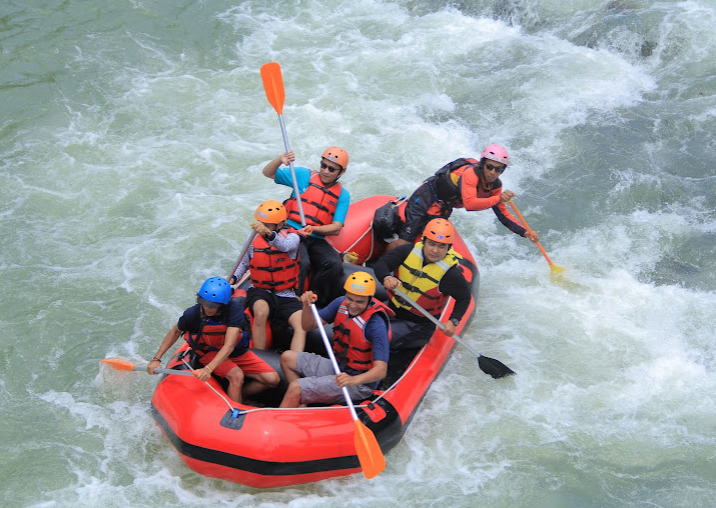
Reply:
x=496, y=153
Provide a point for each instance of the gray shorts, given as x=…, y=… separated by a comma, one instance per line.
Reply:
x=318, y=384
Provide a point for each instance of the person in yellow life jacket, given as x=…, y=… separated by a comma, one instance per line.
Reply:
x=325, y=205
x=361, y=337
x=463, y=183
x=213, y=328
x=429, y=273
x=273, y=259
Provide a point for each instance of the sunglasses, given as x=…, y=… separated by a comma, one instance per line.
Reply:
x=499, y=170
x=329, y=168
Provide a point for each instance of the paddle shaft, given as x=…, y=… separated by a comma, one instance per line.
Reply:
x=434, y=320
x=296, y=192
x=332, y=356
x=527, y=227
x=165, y=371
x=244, y=250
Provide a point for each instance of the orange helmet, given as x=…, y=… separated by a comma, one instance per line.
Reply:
x=360, y=283
x=271, y=212
x=440, y=230
x=336, y=154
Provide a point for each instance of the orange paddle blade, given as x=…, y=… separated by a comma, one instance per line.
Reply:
x=119, y=364
x=370, y=455
x=273, y=85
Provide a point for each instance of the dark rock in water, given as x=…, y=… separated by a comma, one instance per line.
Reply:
x=647, y=48
x=624, y=5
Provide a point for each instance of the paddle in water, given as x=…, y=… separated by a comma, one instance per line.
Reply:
x=118, y=364
x=490, y=366
x=556, y=270
x=370, y=455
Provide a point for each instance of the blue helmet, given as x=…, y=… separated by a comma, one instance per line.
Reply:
x=214, y=292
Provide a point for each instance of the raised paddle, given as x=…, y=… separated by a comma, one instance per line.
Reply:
x=273, y=85
x=494, y=368
x=118, y=364
x=555, y=269
x=369, y=453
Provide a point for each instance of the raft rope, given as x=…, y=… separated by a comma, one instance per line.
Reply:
x=412, y=363
x=397, y=202
x=236, y=412
x=341, y=407
x=221, y=396
x=382, y=395
x=372, y=241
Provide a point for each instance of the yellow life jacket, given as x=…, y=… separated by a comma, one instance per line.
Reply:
x=420, y=282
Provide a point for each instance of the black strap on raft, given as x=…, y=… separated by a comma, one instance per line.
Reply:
x=386, y=221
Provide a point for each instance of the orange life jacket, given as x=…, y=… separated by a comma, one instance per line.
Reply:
x=272, y=269
x=319, y=202
x=350, y=345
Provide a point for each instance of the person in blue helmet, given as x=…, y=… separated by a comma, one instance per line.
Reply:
x=213, y=328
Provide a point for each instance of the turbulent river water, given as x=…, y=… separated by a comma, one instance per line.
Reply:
x=132, y=137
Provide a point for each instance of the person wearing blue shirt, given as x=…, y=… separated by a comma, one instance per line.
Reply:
x=325, y=205
x=361, y=343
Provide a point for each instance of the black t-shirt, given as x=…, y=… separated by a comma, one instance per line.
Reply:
x=232, y=316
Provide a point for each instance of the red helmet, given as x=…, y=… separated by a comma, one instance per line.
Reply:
x=496, y=153
x=440, y=230
x=336, y=154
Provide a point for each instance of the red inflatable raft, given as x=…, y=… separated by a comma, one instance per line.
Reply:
x=270, y=447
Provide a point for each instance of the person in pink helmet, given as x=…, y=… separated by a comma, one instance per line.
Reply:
x=463, y=183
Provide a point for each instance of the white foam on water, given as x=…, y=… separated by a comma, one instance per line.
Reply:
x=141, y=184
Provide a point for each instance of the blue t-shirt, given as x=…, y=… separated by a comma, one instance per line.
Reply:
x=375, y=331
x=303, y=177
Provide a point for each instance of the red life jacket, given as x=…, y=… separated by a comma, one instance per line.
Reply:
x=272, y=269
x=319, y=202
x=210, y=338
x=350, y=345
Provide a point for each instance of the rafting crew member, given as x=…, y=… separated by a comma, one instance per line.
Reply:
x=429, y=273
x=273, y=261
x=212, y=328
x=463, y=183
x=361, y=335
x=325, y=205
